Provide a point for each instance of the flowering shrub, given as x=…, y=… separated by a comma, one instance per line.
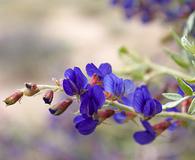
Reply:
x=102, y=94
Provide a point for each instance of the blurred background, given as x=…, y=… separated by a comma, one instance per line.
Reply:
x=38, y=41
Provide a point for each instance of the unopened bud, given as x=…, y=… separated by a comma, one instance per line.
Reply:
x=130, y=115
x=105, y=113
x=60, y=107
x=48, y=97
x=16, y=96
x=31, y=89
x=161, y=127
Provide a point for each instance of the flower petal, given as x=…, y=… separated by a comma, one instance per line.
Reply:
x=120, y=117
x=98, y=96
x=81, y=80
x=143, y=137
x=105, y=68
x=69, y=87
x=109, y=83
x=86, y=126
x=92, y=69
x=129, y=86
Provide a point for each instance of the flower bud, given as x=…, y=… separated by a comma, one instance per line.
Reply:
x=60, y=107
x=103, y=114
x=31, y=89
x=161, y=127
x=130, y=115
x=48, y=97
x=16, y=96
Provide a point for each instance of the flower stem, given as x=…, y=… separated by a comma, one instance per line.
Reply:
x=164, y=114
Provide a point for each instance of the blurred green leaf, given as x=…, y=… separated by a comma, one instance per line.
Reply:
x=188, y=45
x=174, y=103
x=190, y=80
x=123, y=50
x=185, y=87
x=172, y=96
x=190, y=25
x=191, y=109
x=178, y=59
x=176, y=37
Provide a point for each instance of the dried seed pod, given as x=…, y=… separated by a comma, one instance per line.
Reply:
x=48, y=97
x=12, y=99
x=60, y=107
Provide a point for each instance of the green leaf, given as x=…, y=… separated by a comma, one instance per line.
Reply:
x=185, y=87
x=123, y=50
x=190, y=80
x=188, y=45
x=190, y=25
x=180, y=60
x=174, y=103
x=172, y=96
x=191, y=109
x=176, y=37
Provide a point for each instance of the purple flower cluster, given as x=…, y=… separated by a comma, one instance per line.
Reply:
x=104, y=85
x=150, y=9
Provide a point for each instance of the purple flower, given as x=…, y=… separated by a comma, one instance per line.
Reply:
x=84, y=124
x=92, y=100
x=147, y=136
x=121, y=90
x=143, y=102
x=124, y=116
x=151, y=132
x=120, y=117
x=127, y=4
x=74, y=82
x=101, y=72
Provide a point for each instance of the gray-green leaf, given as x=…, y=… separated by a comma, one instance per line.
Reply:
x=191, y=109
x=185, y=87
x=188, y=45
x=179, y=59
x=174, y=103
x=172, y=96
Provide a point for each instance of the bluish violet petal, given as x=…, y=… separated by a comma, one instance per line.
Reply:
x=158, y=106
x=69, y=87
x=129, y=86
x=119, y=88
x=105, y=68
x=149, y=108
x=69, y=74
x=81, y=80
x=86, y=126
x=174, y=109
x=125, y=101
x=179, y=91
x=109, y=83
x=91, y=69
x=145, y=92
x=93, y=107
x=138, y=101
x=143, y=137
x=98, y=96
x=173, y=126
x=148, y=127
x=78, y=119
x=84, y=107
x=120, y=117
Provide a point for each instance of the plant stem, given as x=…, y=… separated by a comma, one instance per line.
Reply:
x=165, y=70
x=164, y=114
